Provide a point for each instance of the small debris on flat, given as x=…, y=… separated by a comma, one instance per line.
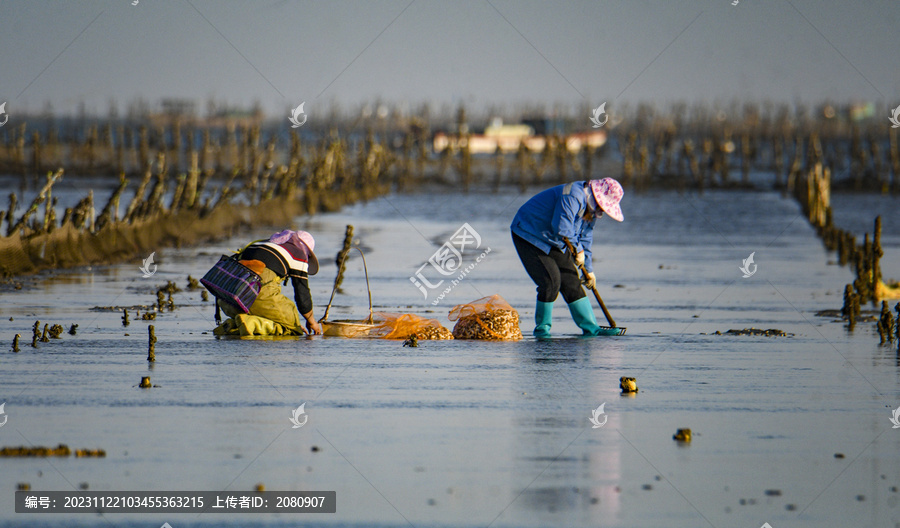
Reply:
x=771, y=332
x=628, y=384
x=683, y=435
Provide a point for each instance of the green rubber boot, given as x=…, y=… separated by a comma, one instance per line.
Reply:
x=583, y=314
x=543, y=315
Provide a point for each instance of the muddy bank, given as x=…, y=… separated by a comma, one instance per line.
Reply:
x=68, y=247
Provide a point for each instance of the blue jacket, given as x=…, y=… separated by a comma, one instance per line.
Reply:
x=555, y=213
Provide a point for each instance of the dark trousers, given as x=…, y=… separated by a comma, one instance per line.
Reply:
x=553, y=273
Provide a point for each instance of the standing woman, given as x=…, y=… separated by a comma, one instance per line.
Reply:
x=288, y=254
x=538, y=230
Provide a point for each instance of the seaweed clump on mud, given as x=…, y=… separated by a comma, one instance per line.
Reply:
x=771, y=332
x=56, y=331
x=62, y=450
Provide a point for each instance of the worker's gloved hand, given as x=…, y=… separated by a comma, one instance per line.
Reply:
x=579, y=258
x=589, y=280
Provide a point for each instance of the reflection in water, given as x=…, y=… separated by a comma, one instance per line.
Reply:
x=573, y=469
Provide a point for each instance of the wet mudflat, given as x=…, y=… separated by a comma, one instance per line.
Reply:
x=459, y=433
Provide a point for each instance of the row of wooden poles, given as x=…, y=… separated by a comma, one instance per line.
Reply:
x=194, y=204
x=668, y=150
x=811, y=186
x=707, y=156
x=319, y=177
x=241, y=150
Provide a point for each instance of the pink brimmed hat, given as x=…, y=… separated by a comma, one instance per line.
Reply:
x=608, y=193
x=299, y=236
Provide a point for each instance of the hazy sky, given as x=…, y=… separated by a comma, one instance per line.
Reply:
x=501, y=52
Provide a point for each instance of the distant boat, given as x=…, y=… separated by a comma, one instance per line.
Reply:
x=508, y=138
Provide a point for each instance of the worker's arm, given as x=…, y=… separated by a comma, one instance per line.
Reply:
x=303, y=298
x=587, y=241
x=564, y=216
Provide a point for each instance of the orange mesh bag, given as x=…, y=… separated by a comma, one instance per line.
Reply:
x=402, y=326
x=489, y=318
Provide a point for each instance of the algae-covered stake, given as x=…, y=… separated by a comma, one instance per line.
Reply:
x=341, y=259
x=885, y=324
x=15, y=347
x=145, y=382
x=897, y=307
x=151, y=355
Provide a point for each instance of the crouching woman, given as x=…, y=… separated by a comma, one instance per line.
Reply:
x=288, y=254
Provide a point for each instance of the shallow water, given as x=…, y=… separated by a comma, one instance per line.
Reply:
x=456, y=433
